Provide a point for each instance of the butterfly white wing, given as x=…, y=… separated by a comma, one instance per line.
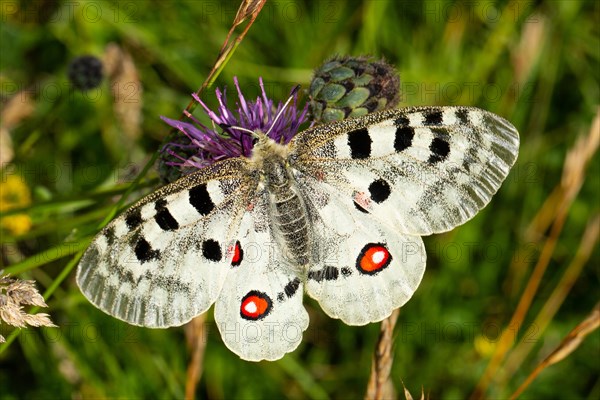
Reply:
x=363, y=270
x=259, y=311
x=164, y=260
x=419, y=170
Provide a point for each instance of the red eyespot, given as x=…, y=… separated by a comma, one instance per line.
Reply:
x=373, y=258
x=238, y=254
x=255, y=305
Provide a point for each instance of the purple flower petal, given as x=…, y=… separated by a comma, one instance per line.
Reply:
x=206, y=145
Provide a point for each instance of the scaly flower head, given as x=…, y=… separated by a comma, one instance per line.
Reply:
x=346, y=87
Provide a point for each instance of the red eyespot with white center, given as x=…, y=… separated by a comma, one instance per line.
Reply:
x=373, y=258
x=255, y=305
x=238, y=254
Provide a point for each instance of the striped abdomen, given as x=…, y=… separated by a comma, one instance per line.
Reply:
x=290, y=218
x=288, y=214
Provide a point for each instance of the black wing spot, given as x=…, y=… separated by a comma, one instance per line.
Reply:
x=380, y=190
x=433, y=118
x=439, y=149
x=133, y=219
x=291, y=288
x=328, y=273
x=211, y=250
x=109, y=234
x=463, y=116
x=200, y=199
x=360, y=143
x=163, y=216
x=160, y=203
x=404, y=138
x=144, y=252
x=401, y=121
x=346, y=271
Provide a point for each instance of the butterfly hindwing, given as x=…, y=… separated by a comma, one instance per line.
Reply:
x=164, y=260
x=259, y=311
x=420, y=170
x=363, y=272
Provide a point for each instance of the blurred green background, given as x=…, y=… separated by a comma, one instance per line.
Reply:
x=71, y=154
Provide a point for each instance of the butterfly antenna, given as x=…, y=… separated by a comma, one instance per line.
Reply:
x=292, y=94
x=239, y=128
x=243, y=130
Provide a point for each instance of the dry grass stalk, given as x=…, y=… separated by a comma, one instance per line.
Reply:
x=574, y=174
x=572, y=179
x=380, y=386
x=126, y=88
x=14, y=294
x=528, y=52
x=562, y=289
x=248, y=10
x=196, y=339
x=408, y=396
x=18, y=108
x=7, y=151
x=566, y=347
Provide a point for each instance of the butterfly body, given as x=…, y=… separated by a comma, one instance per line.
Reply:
x=287, y=210
x=337, y=213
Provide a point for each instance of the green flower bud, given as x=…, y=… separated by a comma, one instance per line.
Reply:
x=346, y=87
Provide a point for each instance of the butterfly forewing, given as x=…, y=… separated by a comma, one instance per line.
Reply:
x=421, y=170
x=164, y=260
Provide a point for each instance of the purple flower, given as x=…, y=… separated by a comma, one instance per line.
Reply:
x=202, y=145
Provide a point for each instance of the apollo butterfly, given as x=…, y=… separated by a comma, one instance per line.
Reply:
x=337, y=213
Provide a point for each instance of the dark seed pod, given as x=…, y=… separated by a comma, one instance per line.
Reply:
x=85, y=72
x=346, y=87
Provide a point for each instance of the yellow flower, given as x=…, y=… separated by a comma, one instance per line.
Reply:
x=14, y=193
x=484, y=345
